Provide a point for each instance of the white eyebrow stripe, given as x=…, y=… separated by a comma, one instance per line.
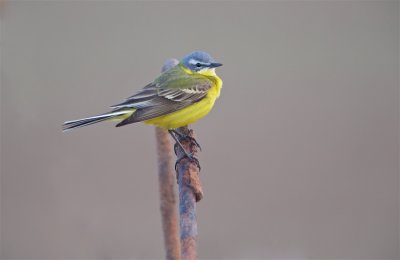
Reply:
x=194, y=62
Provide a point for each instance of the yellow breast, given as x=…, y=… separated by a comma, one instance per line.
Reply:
x=193, y=112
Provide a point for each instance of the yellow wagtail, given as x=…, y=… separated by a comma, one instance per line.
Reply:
x=178, y=97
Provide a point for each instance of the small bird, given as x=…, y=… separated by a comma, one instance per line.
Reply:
x=178, y=97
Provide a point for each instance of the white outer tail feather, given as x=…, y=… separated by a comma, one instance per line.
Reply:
x=69, y=125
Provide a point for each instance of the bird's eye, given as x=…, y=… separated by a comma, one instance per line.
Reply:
x=198, y=65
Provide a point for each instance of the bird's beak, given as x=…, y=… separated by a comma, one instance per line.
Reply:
x=215, y=64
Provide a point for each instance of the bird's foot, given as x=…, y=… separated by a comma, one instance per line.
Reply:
x=178, y=145
x=186, y=137
x=190, y=157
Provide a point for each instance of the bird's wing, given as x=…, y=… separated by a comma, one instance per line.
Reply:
x=171, y=91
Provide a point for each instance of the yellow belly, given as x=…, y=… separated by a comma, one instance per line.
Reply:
x=189, y=114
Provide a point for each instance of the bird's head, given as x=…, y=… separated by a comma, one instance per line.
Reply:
x=200, y=61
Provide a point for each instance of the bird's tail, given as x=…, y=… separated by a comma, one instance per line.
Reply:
x=69, y=125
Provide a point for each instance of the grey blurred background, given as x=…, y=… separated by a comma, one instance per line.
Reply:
x=300, y=155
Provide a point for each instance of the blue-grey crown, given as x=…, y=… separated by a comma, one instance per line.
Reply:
x=199, y=60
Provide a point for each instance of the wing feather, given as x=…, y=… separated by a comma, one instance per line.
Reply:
x=175, y=89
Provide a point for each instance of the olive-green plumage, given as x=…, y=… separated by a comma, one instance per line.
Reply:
x=178, y=97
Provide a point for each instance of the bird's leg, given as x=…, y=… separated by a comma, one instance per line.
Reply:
x=186, y=137
x=186, y=154
x=177, y=142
